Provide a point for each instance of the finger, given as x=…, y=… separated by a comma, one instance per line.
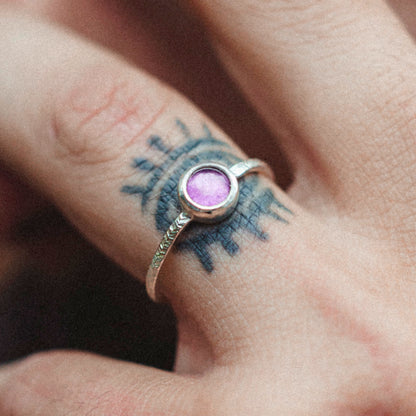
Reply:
x=336, y=81
x=171, y=45
x=78, y=124
x=84, y=126
x=62, y=383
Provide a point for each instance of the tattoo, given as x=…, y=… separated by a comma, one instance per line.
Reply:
x=160, y=191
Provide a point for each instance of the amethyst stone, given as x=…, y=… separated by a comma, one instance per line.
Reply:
x=208, y=187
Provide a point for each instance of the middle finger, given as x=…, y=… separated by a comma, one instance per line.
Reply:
x=336, y=81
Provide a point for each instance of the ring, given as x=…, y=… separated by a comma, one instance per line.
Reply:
x=208, y=193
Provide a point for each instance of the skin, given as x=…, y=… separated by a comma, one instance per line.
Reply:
x=316, y=319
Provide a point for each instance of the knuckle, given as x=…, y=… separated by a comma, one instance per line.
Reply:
x=101, y=112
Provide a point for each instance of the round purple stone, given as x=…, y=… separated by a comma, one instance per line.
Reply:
x=208, y=187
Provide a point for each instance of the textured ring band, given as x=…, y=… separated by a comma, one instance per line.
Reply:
x=208, y=193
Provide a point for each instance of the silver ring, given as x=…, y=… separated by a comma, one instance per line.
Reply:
x=208, y=193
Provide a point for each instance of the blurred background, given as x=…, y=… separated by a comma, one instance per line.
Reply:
x=81, y=300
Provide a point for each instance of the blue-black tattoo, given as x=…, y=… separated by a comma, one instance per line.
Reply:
x=161, y=194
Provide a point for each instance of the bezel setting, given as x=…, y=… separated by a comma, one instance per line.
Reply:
x=194, y=211
x=214, y=213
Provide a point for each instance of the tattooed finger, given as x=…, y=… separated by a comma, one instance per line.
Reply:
x=108, y=143
x=160, y=192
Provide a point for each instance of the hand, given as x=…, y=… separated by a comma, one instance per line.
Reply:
x=302, y=302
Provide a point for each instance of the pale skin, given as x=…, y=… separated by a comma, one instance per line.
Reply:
x=317, y=320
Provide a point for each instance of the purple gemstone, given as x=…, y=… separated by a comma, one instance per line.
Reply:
x=208, y=187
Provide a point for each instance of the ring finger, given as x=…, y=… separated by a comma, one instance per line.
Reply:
x=108, y=144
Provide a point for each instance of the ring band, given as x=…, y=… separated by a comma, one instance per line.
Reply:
x=208, y=193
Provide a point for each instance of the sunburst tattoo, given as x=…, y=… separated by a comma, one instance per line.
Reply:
x=161, y=193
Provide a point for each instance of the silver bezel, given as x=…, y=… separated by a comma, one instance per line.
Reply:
x=208, y=214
